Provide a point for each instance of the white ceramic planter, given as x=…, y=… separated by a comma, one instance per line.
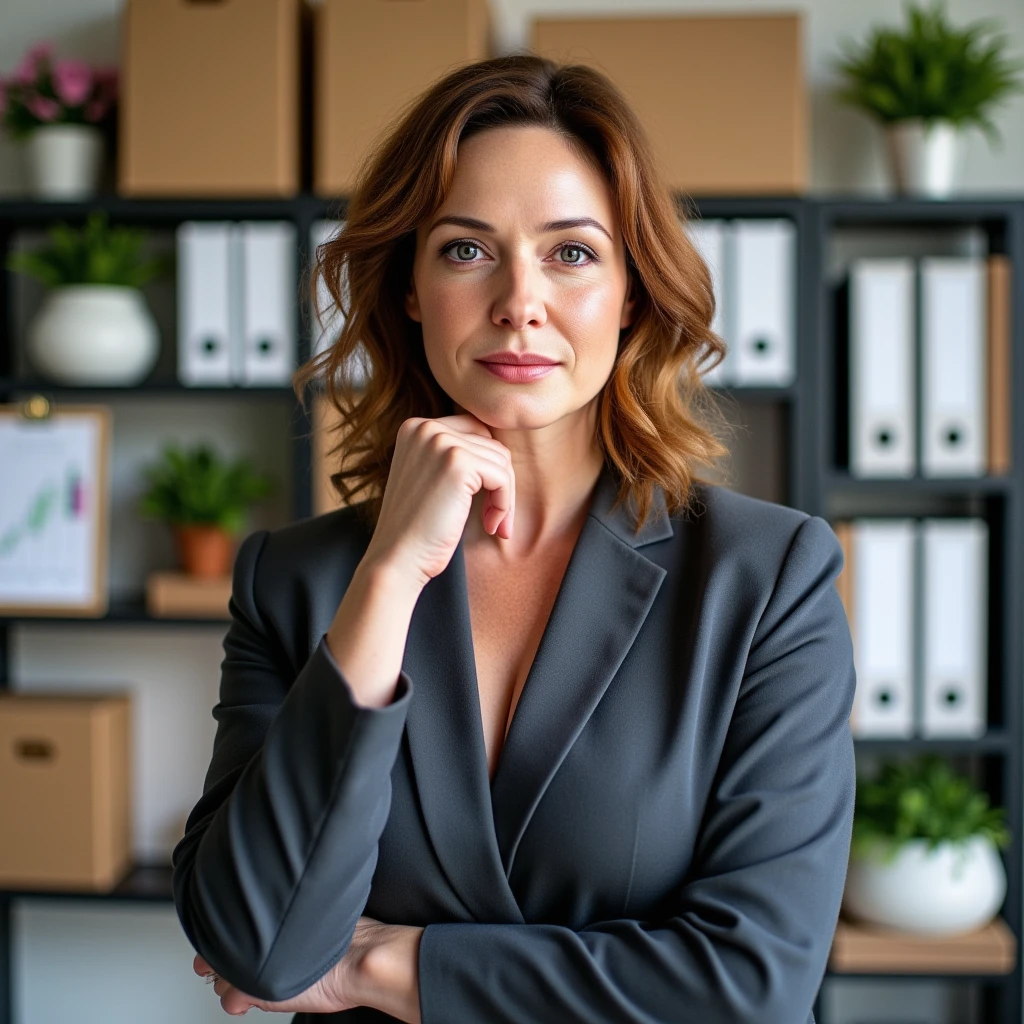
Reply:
x=63, y=161
x=924, y=158
x=94, y=334
x=954, y=889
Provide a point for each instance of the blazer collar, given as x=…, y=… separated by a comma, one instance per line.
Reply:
x=606, y=593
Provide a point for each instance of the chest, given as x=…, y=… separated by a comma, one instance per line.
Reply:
x=509, y=610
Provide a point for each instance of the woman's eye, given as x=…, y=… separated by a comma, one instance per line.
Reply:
x=575, y=255
x=464, y=251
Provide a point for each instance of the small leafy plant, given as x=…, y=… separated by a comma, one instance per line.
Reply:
x=198, y=487
x=931, y=70
x=95, y=254
x=922, y=798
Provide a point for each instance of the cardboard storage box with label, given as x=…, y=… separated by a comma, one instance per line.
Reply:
x=211, y=97
x=65, y=797
x=723, y=98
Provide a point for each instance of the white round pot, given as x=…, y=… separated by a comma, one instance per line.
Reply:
x=953, y=889
x=63, y=161
x=924, y=157
x=94, y=334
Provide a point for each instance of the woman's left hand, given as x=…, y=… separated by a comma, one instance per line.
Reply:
x=347, y=984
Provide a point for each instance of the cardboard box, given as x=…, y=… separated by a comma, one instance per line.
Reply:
x=65, y=796
x=372, y=57
x=177, y=595
x=723, y=98
x=211, y=98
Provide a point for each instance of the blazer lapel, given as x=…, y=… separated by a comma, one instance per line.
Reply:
x=607, y=591
x=446, y=741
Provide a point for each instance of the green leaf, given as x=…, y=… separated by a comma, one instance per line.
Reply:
x=197, y=486
x=930, y=70
x=95, y=253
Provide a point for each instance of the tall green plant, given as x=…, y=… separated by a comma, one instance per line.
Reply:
x=97, y=253
x=922, y=798
x=196, y=486
x=930, y=70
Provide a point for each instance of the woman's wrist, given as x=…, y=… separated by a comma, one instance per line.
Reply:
x=388, y=974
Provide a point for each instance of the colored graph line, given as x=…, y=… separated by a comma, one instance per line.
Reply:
x=41, y=509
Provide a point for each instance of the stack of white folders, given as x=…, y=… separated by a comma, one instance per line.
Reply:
x=937, y=330
x=333, y=318
x=237, y=303
x=753, y=272
x=916, y=595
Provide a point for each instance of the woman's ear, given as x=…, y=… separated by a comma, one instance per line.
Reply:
x=629, y=304
x=412, y=302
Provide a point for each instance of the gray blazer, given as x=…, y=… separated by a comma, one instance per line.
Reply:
x=666, y=836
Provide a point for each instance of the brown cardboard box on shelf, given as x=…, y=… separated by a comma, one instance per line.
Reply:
x=211, y=97
x=723, y=98
x=176, y=595
x=65, y=794
x=372, y=57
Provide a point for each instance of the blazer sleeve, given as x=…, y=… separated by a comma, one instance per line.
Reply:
x=755, y=918
x=275, y=865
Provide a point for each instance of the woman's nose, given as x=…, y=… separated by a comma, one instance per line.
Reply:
x=521, y=299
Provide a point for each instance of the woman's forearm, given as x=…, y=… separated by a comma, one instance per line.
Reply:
x=388, y=975
x=370, y=628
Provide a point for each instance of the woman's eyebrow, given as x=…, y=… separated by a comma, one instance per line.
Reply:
x=554, y=225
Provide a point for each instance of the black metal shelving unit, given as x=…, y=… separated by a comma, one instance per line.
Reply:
x=813, y=479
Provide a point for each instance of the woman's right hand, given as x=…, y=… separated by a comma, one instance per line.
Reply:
x=438, y=466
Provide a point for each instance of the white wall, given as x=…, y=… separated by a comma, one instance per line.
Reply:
x=82, y=963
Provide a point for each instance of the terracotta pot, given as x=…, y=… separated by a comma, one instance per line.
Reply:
x=206, y=552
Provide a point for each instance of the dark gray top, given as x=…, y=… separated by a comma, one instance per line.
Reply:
x=666, y=836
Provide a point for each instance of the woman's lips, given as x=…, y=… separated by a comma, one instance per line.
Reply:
x=519, y=374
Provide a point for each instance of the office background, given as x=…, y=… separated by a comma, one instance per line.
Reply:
x=89, y=962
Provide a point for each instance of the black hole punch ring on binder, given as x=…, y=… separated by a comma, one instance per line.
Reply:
x=954, y=436
x=885, y=437
x=952, y=696
x=761, y=345
x=266, y=346
x=885, y=696
x=210, y=345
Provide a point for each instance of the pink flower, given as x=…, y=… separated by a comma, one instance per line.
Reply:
x=43, y=107
x=72, y=81
x=28, y=70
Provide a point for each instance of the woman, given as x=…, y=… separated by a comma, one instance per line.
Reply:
x=545, y=729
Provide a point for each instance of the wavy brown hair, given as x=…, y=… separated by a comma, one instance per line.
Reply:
x=654, y=411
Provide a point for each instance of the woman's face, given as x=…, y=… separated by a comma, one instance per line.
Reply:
x=524, y=257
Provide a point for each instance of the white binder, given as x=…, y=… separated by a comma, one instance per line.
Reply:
x=710, y=239
x=763, y=290
x=953, y=362
x=955, y=613
x=323, y=231
x=882, y=368
x=333, y=318
x=205, y=322
x=269, y=299
x=883, y=626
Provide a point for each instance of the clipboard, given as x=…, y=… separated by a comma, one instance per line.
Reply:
x=54, y=509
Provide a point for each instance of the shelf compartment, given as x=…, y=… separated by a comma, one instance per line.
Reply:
x=995, y=741
x=862, y=949
x=123, y=610
x=143, y=883
x=15, y=386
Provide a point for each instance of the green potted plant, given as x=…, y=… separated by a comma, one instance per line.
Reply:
x=926, y=84
x=204, y=498
x=924, y=856
x=60, y=111
x=94, y=326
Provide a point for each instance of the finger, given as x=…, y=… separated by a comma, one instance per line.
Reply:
x=500, y=494
x=467, y=422
x=201, y=967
